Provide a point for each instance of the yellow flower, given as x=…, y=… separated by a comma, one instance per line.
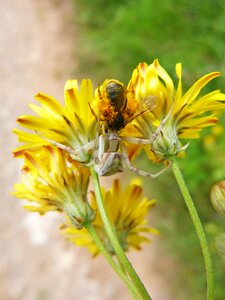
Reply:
x=53, y=182
x=175, y=115
x=70, y=127
x=127, y=211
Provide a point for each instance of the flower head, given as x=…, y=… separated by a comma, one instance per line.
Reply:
x=127, y=210
x=175, y=115
x=71, y=126
x=51, y=181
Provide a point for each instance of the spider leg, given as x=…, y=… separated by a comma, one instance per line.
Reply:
x=101, y=147
x=155, y=134
x=136, y=170
x=70, y=150
x=88, y=146
x=110, y=164
x=136, y=140
x=59, y=145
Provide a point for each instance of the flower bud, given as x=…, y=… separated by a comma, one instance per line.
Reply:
x=166, y=143
x=218, y=197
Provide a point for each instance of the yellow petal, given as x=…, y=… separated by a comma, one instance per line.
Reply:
x=168, y=81
x=31, y=122
x=179, y=87
x=50, y=102
x=193, y=92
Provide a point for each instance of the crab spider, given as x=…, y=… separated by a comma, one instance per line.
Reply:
x=109, y=155
x=112, y=157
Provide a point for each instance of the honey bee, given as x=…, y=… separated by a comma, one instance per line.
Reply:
x=118, y=107
x=116, y=95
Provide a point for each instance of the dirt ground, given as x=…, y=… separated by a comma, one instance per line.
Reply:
x=37, y=43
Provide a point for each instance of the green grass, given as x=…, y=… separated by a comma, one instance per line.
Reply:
x=116, y=36
x=120, y=34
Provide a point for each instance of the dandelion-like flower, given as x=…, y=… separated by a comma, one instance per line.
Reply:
x=127, y=210
x=70, y=127
x=51, y=181
x=176, y=115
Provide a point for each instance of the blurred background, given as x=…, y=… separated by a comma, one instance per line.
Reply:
x=43, y=43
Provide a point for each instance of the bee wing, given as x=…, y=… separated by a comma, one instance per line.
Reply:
x=146, y=104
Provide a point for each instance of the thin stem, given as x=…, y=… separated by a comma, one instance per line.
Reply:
x=110, y=260
x=122, y=268
x=198, y=227
x=114, y=240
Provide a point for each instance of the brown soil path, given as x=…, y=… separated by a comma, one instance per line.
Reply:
x=36, y=263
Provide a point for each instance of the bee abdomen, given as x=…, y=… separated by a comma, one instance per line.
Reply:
x=117, y=123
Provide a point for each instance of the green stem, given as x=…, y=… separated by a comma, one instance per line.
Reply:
x=114, y=240
x=110, y=260
x=198, y=227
